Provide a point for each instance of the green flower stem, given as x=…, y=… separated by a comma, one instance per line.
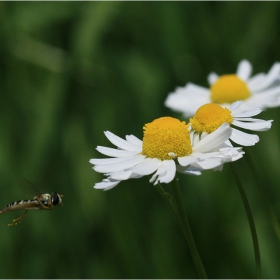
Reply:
x=187, y=230
x=251, y=222
x=168, y=199
x=182, y=218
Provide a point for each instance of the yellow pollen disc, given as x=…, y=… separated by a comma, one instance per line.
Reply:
x=209, y=117
x=228, y=89
x=166, y=137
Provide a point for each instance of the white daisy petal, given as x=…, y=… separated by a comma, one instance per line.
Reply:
x=184, y=161
x=248, y=120
x=195, y=138
x=161, y=171
x=203, y=156
x=229, y=152
x=146, y=167
x=119, y=142
x=218, y=168
x=257, y=126
x=212, y=78
x=188, y=98
x=248, y=113
x=269, y=79
x=123, y=175
x=228, y=144
x=192, y=171
x=170, y=167
x=194, y=157
x=134, y=140
x=108, y=161
x=165, y=173
x=115, y=152
x=214, y=139
x=234, y=106
x=270, y=92
x=243, y=138
x=254, y=81
x=244, y=70
x=106, y=184
x=236, y=157
x=208, y=164
x=224, y=155
x=272, y=102
x=269, y=98
x=190, y=87
x=115, y=167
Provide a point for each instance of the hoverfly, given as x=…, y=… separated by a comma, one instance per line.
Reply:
x=41, y=202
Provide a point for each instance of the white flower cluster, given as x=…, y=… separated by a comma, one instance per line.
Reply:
x=204, y=143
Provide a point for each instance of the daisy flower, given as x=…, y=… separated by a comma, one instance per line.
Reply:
x=168, y=146
x=259, y=91
x=210, y=116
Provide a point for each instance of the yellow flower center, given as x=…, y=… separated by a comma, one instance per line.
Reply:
x=166, y=138
x=228, y=89
x=209, y=117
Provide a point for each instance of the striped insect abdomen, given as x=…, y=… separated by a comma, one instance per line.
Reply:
x=21, y=204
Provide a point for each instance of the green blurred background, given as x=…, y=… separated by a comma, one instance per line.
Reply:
x=71, y=70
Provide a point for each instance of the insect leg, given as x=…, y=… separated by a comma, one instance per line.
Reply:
x=43, y=205
x=18, y=220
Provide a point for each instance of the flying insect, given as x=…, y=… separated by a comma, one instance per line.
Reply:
x=40, y=202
